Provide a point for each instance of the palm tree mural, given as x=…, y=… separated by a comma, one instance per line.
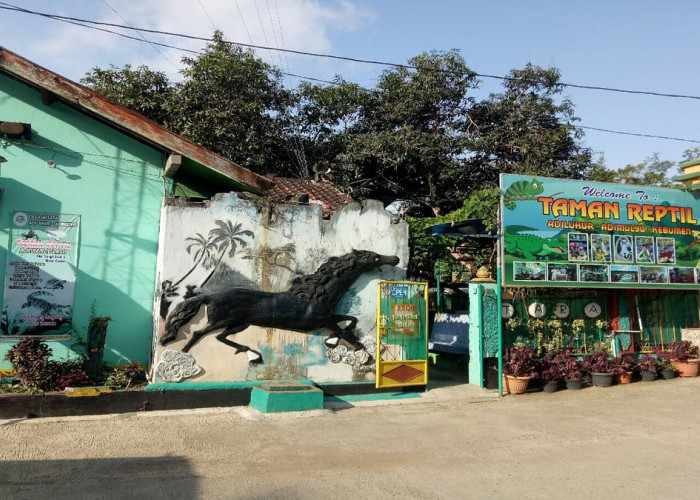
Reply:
x=203, y=248
x=227, y=237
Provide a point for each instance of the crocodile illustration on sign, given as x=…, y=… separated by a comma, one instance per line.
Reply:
x=530, y=246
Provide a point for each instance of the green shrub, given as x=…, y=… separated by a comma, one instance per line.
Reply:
x=123, y=377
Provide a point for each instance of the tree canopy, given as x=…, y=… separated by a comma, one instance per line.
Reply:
x=421, y=135
x=653, y=171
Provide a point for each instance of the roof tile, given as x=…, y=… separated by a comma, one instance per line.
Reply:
x=323, y=193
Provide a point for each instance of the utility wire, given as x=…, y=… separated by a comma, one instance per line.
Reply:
x=207, y=14
x=142, y=37
x=638, y=135
x=6, y=6
x=78, y=22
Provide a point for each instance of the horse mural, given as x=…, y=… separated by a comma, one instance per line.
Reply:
x=307, y=305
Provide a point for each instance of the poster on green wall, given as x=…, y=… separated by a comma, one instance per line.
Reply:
x=568, y=233
x=40, y=274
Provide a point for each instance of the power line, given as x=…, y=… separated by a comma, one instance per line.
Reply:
x=637, y=135
x=78, y=22
x=141, y=36
x=6, y=6
x=207, y=14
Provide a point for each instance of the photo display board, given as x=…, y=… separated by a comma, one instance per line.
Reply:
x=566, y=233
x=40, y=275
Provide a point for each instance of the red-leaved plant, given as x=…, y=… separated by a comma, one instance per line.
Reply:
x=682, y=350
x=624, y=364
x=648, y=363
x=598, y=362
x=571, y=369
x=520, y=361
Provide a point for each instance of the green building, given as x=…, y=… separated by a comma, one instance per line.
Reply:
x=82, y=182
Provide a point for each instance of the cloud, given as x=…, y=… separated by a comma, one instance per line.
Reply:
x=304, y=25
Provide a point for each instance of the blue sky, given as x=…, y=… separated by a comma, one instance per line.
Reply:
x=636, y=45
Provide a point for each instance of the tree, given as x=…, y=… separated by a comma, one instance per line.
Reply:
x=142, y=90
x=231, y=102
x=599, y=172
x=420, y=136
x=321, y=121
x=426, y=249
x=651, y=172
x=408, y=142
x=526, y=129
x=691, y=154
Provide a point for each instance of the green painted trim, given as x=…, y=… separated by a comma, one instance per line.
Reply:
x=204, y=386
x=684, y=177
x=345, y=383
x=371, y=397
x=690, y=163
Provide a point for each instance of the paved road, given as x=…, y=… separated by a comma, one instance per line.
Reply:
x=638, y=441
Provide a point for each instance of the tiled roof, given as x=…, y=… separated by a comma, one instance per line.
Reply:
x=323, y=193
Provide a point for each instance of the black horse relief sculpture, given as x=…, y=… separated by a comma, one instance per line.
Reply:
x=307, y=305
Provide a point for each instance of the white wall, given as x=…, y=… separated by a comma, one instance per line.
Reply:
x=287, y=240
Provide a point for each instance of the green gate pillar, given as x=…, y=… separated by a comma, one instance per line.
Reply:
x=483, y=329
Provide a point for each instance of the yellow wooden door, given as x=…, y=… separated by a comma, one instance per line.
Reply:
x=402, y=334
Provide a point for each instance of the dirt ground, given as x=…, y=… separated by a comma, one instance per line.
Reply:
x=636, y=441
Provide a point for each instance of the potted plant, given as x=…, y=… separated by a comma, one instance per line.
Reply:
x=601, y=368
x=683, y=355
x=520, y=366
x=648, y=367
x=624, y=368
x=666, y=369
x=551, y=374
x=571, y=371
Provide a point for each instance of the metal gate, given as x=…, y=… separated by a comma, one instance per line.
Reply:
x=402, y=334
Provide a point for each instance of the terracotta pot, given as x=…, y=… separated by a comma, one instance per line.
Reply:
x=517, y=385
x=624, y=378
x=687, y=368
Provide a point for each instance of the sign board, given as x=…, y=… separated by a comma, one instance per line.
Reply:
x=402, y=334
x=566, y=233
x=40, y=275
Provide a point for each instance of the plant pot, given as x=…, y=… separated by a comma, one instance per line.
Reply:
x=551, y=386
x=602, y=379
x=668, y=373
x=648, y=376
x=624, y=378
x=517, y=385
x=687, y=368
x=574, y=384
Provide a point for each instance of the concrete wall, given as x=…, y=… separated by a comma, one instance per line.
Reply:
x=273, y=245
x=113, y=182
